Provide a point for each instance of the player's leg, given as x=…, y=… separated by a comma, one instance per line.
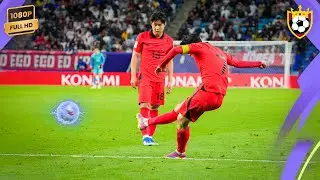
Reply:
x=165, y=118
x=99, y=77
x=157, y=99
x=94, y=74
x=183, y=134
x=183, y=130
x=145, y=111
x=145, y=92
x=153, y=112
x=97, y=80
x=191, y=110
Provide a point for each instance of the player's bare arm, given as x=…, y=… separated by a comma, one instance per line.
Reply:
x=134, y=61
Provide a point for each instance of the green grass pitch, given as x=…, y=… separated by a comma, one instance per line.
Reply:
x=230, y=143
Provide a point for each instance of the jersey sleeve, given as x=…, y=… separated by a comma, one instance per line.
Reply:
x=241, y=64
x=91, y=61
x=171, y=45
x=182, y=49
x=138, y=44
x=194, y=48
x=103, y=58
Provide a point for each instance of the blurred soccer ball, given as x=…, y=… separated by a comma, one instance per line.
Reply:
x=300, y=24
x=68, y=112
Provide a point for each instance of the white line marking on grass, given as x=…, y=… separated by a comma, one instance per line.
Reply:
x=141, y=157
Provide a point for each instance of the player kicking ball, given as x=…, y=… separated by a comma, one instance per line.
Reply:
x=208, y=96
x=151, y=47
x=96, y=65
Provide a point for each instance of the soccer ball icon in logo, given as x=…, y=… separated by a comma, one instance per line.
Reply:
x=300, y=24
x=67, y=113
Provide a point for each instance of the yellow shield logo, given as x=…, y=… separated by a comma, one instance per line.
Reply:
x=299, y=22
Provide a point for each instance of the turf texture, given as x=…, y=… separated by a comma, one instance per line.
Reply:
x=236, y=141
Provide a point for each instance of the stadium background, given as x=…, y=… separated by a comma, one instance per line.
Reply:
x=69, y=30
x=234, y=142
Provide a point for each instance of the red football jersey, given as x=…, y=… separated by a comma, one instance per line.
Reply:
x=213, y=64
x=152, y=51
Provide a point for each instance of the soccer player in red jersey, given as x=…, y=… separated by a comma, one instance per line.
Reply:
x=208, y=96
x=151, y=47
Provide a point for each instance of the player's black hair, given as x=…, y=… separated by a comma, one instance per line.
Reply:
x=158, y=16
x=191, y=38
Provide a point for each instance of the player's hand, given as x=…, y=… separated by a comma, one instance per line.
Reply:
x=134, y=82
x=263, y=65
x=159, y=69
x=169, y=87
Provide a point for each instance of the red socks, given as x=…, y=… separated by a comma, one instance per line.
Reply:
x=145, y=113
x=182, y=139
x=155, y=119
x=152, y=128
x=164, y=118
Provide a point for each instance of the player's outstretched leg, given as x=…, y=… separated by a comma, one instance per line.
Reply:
x=183, y=134
x=144, y=123
x=167, y=118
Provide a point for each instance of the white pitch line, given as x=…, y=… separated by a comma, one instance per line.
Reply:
x=140, y=157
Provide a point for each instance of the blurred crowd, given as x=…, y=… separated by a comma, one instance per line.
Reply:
x=82, y=24
x=247, y=20
x=238, y=20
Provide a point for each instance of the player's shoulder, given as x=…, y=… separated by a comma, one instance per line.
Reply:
x=196, y=45
x=143, y=35
x=167, y=37
x=202, y=45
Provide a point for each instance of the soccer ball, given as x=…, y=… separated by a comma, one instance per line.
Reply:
x=300, y=24
x=67, y=112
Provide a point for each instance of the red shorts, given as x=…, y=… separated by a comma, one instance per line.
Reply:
x=151, y=92
x=201, y=101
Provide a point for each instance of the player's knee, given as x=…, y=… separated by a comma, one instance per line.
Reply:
x=154, y=107
x=144, y=105
x=182, y=122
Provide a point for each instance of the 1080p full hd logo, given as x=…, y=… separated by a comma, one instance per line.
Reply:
x=299, y=22
x=21, y=20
